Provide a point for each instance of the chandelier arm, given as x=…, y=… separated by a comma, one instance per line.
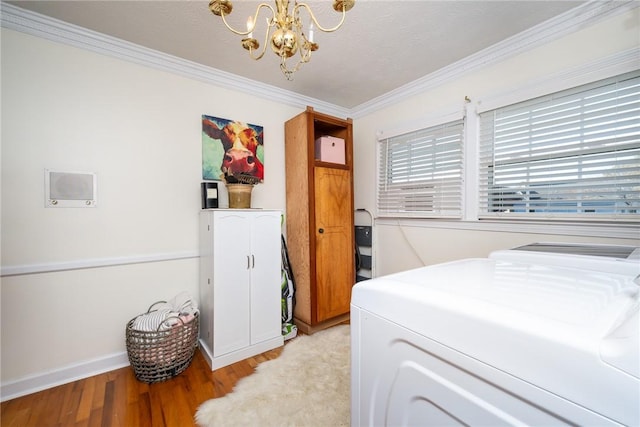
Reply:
x=259, y=56
x=255, y=19
x=304, y=49
x=270, y=23
x=315, y=21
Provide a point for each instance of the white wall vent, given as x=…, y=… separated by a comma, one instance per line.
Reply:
x=70, y=189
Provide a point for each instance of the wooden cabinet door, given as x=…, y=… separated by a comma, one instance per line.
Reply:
x=333, y=236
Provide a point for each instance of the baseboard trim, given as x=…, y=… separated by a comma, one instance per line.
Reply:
x=241, y=354
x=38, y=382
x=310, y=329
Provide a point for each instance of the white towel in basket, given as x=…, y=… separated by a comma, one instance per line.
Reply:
x=155, y=320
x=165, y=315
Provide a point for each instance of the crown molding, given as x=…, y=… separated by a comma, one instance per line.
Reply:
x=569, y=22
x=18, y=19
x=35, y=24
x=615, y=64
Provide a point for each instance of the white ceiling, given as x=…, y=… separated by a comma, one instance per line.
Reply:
x=382, y=46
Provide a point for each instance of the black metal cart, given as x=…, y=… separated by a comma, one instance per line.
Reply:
x=364, y=245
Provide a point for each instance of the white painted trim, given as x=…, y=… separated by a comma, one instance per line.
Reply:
x=613, y=65
x=443, y=115
x=227, y=359
x=206, y=353
x=35, y=24
x=470, y=165
x=77, y=371
x=15, y=18
x=613, y=231
x=19, y=270
x=610, y=66
x=571, y=21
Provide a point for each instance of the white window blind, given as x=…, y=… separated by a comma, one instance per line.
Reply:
x=420, y=173
x=574, y=154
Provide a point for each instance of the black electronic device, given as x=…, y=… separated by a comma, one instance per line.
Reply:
x=209, y=195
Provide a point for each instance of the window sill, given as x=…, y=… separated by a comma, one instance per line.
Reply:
x=601, y=230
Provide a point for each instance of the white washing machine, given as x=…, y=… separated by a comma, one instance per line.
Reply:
x=542, y=335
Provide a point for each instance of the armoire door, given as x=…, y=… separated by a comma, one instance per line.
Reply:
x=333, y=237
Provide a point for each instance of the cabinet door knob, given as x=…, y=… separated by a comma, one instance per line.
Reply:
x=248, y=263
x=321, y=230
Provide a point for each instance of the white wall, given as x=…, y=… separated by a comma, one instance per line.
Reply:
x=418, y=243
x=139, y=129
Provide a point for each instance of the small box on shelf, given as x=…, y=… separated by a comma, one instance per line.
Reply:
x=330, y=149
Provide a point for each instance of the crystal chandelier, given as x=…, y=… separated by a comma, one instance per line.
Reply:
x=284, y=28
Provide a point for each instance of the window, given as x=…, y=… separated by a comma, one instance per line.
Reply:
x=574, y=154
x=420, y=173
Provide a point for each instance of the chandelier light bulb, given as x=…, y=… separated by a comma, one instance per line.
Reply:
x=310, y=38
x=250, y=27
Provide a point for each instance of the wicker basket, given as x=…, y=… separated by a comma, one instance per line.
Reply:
x=160, y=355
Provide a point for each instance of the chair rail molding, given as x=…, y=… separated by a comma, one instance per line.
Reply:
x=20, y=270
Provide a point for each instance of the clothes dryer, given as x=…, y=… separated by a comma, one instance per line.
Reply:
x=522, y=337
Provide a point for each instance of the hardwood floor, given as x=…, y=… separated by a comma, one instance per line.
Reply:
x=116, y=398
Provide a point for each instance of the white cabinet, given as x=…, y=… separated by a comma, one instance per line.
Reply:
x=240, y=293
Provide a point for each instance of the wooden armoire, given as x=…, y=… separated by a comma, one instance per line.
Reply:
x=320, y=224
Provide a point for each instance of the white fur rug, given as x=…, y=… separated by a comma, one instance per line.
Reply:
x=308, y=385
